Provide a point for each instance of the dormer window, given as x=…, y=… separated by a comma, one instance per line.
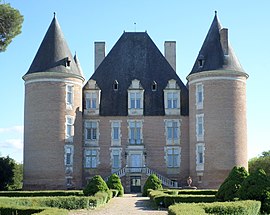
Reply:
x=91, y=98
x=135, y=98
x=68, y=61
x=201, y=61
x=115, y=85
x=172, y=98
x=154, y=86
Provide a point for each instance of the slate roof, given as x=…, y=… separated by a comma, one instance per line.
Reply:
x=53, y=53
x=135, y=56
x=212, y=53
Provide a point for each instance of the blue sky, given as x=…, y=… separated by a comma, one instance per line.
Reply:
x=186, y=22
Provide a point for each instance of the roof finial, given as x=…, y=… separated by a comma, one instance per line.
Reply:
x=135, y=26
x=54, y=14
x=215, y=12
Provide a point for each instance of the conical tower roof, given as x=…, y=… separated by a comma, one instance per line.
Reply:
x=212, y=55
x=53, y=54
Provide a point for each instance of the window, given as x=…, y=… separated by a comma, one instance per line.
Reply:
x=69, y=127
x=115, y=85
x=200, y=148
x=173, y=157
x=91, y=101
x=154, y=86
x=135, y=100
x=116, y=159
x=172, y=100
x=172, y=130
x=200, y=127
x=135, y=132
x=91, y=128
x=91, y=158
x=68, y=155
x=199, y=96
x=115, y=130
x=69, y=95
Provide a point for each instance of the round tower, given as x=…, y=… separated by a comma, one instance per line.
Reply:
x=217, y=102
x=53, y=116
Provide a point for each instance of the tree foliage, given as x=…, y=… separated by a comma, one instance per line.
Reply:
x=257, y=187
x=152, y=182
x=7, y=166
x=261, y=162
x=114, y=182
x=95, y=185
x=10, y=24
x=228, y=190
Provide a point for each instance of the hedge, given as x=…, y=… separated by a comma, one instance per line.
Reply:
x=237, y=208
x=41, y=193
x=190, y=192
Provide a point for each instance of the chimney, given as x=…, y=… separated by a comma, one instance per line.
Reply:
x=170, y=53
x=224, y=40
x=99, y=53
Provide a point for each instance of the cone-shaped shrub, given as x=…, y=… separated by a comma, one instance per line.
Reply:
x=228, y=190
x=152, y=182
x=114, y=182
x=95, y=185
x=257, y=187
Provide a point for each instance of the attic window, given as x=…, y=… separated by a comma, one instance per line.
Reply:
x=115, y=85
x=154, y=86
x=201, y=61
x=68, y=62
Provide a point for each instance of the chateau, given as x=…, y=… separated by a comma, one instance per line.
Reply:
x=134, y=116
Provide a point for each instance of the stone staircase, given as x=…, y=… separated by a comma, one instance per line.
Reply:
x=147, y=171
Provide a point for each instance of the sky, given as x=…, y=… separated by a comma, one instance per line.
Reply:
x=186, y=22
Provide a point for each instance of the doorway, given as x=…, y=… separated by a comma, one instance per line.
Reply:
x=135, y=184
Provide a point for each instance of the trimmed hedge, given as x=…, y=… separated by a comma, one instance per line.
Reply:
x=189, y=192
x=152, y=182
x=41, y=193
x=114, y=182
x=95, y=184
x=237, y=208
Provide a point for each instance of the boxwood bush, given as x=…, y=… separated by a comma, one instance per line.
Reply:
x=228, y=190
x=95, y=184
x=152, y=182
x=41, y=193
x=114, y=182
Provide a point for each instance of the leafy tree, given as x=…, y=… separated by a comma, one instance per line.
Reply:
x=95, y=185
x=262, y=162
x=17, y=178
x=114, y=182
x=228, y=190
x=7, y=166
x=152, y=182
x=257, y=187
x=10, y=24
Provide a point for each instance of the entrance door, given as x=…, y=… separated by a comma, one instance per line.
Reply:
x=135, y=162
x=135, y=184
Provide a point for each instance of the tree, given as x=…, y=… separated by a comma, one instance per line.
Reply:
x=257, y=187
x=7, y=166
x=152, y=182
x=95, y=185
x=114, y=182
x=228, y=190
x=262, y=162
x=17, y=178
x=10, y=24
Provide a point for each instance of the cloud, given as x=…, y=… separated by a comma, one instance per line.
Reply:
x=15, y=144
x=12, y=129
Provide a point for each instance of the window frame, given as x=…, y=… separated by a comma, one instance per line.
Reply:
x=91, y=158
x=199, y=95
x=200, y=127
x=69, y=96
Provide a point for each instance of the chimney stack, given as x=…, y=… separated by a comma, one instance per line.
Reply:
x=99, y=53
x=224, y=40
x=170, y=53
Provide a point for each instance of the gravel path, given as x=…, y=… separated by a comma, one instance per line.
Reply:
x=129, y=204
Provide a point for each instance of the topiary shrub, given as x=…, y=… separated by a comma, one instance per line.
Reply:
x=95, y=185
x=257, y=187
x=152, y=182
x=228, y=190
x=114, y=182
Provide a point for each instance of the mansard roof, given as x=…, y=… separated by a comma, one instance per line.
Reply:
x=135, y=56
x=53, y=54
x=212, y=53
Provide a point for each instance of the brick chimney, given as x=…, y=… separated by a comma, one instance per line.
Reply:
x=99, y=53
x=170, y=53
x=224, y=40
